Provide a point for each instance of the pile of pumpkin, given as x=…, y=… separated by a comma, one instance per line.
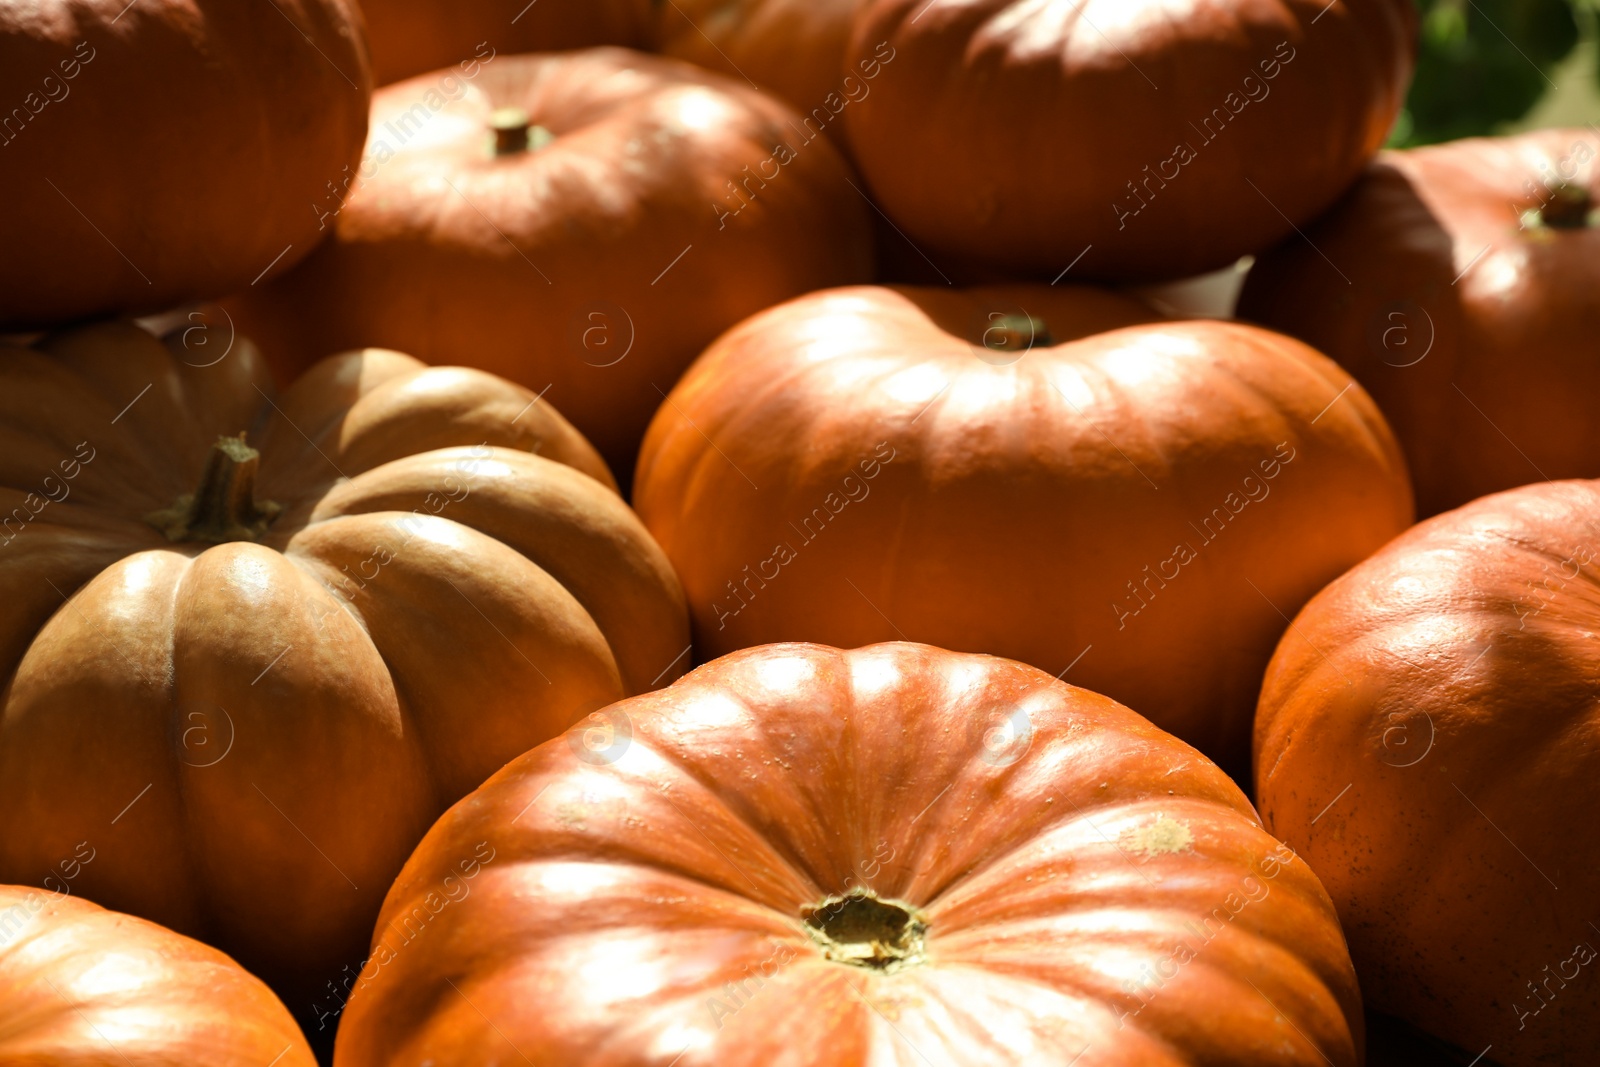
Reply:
x=338, y=666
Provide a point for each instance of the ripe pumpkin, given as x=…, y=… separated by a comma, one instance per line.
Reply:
x=411, y=37
x=793, y=48
x=167, y=150
x=85, y=986
x=595, y=264
x=802, y=856
x=252, y=679
x=1013, y=137
x=1047, y=474
x=1464, y=300
x=1427, y=741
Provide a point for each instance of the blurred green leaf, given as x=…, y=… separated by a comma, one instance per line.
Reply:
x=1482, y=63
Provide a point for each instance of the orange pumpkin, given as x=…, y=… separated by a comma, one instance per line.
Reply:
x=84, y=986
x=1457, y=283
x=803, y=856
x=168, y=150
x=411, y=37
x=1125, y=140
x=1048, y=474
x=1428, y=740
x=251, y=674
x=590, y=257
x=793, y=48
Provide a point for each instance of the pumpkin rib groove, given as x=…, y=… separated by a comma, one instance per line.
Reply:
x=198, y=903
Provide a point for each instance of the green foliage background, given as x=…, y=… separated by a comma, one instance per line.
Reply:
x=1487, y=66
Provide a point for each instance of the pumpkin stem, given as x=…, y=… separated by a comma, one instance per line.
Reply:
x=1016, y=333
x=515, y=133
x=224, y=508
x=863, y=930
x=1568, y=208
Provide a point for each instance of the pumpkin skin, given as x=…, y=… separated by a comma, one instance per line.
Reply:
x=208, y=195
x=135, y=993
x=1012, y=136
x=793, y=48
x=1055, y=845
x=411, y=37
x=1442, y=694
x=1473, y=331
x=560, y=268
x=849, y=468
x=254, y=735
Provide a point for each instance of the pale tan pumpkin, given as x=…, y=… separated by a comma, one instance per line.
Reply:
x=254, y=705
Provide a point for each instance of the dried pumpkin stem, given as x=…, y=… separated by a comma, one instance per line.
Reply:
x=515, y=133
x=1568, y=208
x=863, y=930
x=224, y=508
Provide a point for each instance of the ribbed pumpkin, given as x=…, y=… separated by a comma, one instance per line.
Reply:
x=1048, y=474
x=83, y=986
x=168, y=150
x=1123, y=139
x=1429, y=741
x=411, y=37
x=805, y=857
x=1459, y=286
x=250, y=671
x=590, y=257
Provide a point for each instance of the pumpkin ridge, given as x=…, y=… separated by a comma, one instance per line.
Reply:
x=791, y=864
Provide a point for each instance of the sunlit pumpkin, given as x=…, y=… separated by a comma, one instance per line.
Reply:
x=80, y=985
x=1429, y=741
x=1458, y=284
x=168, y=150
x=1048, y=474
x=896, y=855
x=590, y=255
x=1120, y=139
x=254, y=644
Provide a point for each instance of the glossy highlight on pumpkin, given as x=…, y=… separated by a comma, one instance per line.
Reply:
x=168, y=150
x=659, y=205
x=256, y=642
x=88, y=987
x=1132, y=140
x=1463, y=299
x=1428, y=740
x=806, y=857
x=1050, y=474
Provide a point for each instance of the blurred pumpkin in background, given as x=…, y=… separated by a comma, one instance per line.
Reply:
x=1460, y=284
x=168, y=150
x=1049, y=474
x=411, y=37
x=793, y=48
x=628, y=209
x=250, y=670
